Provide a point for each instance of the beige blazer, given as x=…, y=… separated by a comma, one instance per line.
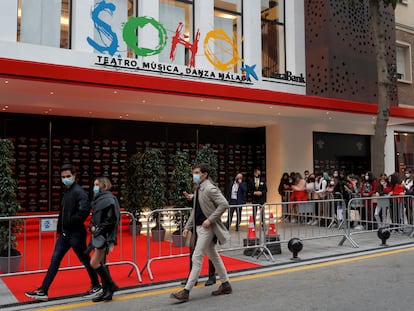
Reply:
x=213, y=204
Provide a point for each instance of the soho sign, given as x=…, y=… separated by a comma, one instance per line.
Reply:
x=109, y=39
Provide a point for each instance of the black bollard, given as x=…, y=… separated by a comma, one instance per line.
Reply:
x=384, y=234
x=295, y=245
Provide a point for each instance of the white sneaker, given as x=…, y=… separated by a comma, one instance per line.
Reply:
x=93, y=292
x=315, y=223
x=294, y=220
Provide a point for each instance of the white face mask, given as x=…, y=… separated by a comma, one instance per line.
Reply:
x=68, y=181
x=196, y=178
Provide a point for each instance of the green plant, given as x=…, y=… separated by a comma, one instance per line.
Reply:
x=206, y=155
x=134, y=198
x=8, y=202
x=145, y=183
x=182, y=181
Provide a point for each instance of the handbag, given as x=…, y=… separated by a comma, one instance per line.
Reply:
x=354, y=215
x=98, y=241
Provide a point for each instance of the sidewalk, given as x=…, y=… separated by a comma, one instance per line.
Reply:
x=312, y=249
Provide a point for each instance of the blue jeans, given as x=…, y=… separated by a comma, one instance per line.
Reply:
x=76, y=241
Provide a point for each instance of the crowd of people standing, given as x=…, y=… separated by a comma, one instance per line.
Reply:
x=294, y=187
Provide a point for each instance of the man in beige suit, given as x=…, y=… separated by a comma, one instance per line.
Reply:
x=208, y=206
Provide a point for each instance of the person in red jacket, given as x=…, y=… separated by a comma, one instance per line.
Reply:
x=367, y=190
x=395, y=188
x=299, y=193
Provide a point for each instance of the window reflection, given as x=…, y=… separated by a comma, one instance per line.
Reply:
x=404, y=151
x=226, y=51
x=44, y=22
x=172, y=13
x=273, y=37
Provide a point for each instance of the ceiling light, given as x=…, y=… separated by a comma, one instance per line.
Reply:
x=6, y=82
x=143, y=101
x=52, y=93
x=115, y=92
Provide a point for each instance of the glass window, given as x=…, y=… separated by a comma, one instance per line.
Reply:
x=404, y=151
x=224, y=48
x=44, y=22
x=273, y=37
x=114, y=14
x=177, y=18
x=403, y=62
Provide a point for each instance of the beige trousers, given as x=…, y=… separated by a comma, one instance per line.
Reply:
x=205, y=245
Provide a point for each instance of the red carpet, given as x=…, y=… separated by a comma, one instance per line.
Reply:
x=71, y=282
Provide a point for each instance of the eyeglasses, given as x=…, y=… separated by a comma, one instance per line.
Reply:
x=66, y=176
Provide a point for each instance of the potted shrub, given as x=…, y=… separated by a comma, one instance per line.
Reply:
x=154, y=177
x=10, y=257
x=145, y=187
x=134, y=198
x=182, y=181
x=206, y=155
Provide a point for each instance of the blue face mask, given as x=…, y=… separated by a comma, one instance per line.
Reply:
x=407, y=175
x=196, y=178
x=96, y=189
x=68, y=181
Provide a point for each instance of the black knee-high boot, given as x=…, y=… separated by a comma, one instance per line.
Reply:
x=108, y=285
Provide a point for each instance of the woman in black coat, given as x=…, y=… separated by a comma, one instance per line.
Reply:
x=104, y=229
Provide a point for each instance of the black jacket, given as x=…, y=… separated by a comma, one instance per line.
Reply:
x=105, y=216
x=74, y=209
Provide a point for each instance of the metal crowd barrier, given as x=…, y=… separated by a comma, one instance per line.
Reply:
x=307, y=220
x=237, y=241
x=31, y=243
x=367, y=214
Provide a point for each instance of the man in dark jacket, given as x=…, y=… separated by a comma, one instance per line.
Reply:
x=74, y=210
x=236, y=196
x=257, y=190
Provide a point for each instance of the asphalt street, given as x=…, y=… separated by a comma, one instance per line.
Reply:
x=374, y=280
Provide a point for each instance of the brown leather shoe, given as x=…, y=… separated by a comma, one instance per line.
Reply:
x=180, y=296
x=222, y=290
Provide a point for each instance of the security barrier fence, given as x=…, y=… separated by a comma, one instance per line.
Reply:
x=274, y=224
x=39, y=234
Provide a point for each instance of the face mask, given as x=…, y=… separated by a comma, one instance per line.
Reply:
x=96, y=189
x=383, y=183
x=332, y=183
x=366, y=177
x=407, y=175
x=196, y=178
x=68, y=181
x=335, y=175
x=239, y=180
